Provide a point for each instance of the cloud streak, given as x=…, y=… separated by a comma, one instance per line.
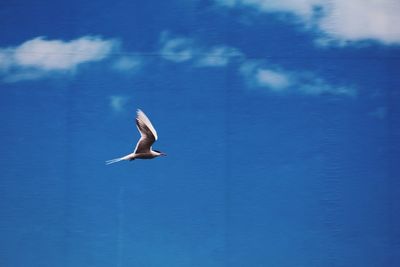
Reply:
x=218, y=56
x=183, y=49
x=118, y=102
x=278, y=80
x=39, y=57
x=176, y=49
x=256, y=74
x=127, y=64
x=341, y=22
x=272, y=79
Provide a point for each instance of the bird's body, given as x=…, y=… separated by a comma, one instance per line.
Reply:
x=148, y=136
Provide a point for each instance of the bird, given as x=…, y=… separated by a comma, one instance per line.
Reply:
x=148, y=136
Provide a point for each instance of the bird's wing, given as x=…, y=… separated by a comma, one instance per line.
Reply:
x=142, y=117
x=147, y=132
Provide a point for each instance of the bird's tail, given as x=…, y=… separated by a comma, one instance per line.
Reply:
x=111, y=161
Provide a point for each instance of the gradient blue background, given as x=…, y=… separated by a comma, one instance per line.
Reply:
x=251, y=178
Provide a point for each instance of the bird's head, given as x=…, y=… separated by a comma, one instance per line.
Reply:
x=160, y=153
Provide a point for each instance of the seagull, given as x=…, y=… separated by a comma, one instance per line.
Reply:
x=148, y=136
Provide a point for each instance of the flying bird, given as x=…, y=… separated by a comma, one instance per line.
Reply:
x=148, y=136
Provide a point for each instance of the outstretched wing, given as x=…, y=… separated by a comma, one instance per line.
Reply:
x=147, y=132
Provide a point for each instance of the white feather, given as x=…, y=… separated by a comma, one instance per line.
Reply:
x=141, y=116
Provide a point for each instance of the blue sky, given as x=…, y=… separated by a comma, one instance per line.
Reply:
x=280, y=120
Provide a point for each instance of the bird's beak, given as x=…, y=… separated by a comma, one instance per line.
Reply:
x=163, y=154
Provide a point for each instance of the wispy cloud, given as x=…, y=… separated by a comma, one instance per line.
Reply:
x=379, y=113
x=257, y=74
x=278, y=80
x=182, y=49
x=176, y=49
x=303, y=8
x=38, y=57
x=218, y=56
x=118, y=102
x=340, y=21
x=127, y=64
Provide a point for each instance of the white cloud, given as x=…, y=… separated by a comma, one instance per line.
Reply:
x=273, y=79
x=358, y=20
x=37, y=57
x=58, y=55
x=118, y=102
x=277, y=79
x=341, y=21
